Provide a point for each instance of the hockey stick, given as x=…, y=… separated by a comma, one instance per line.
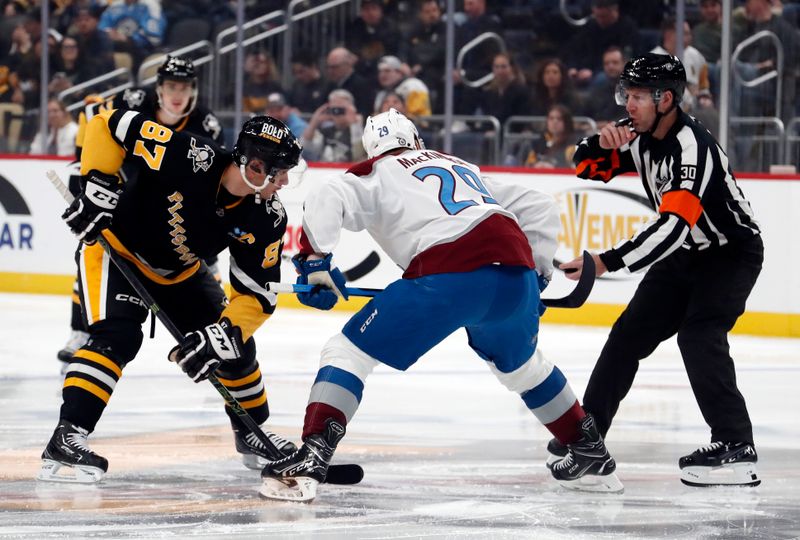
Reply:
x=581, y=292
x=337, y=474
x=573, y=300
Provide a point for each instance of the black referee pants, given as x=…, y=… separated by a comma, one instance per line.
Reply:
x=699, y=296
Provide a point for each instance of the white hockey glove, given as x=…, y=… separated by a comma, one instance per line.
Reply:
x=202, y=351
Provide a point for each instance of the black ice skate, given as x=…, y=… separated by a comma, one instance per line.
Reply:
x=296, y=477
x=69, y=450
x=254, y=454
x=721, y=464
x=555, y=451
x=587, y=465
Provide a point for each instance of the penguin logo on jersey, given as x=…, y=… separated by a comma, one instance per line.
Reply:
x=133, y=98
x=276, y=206
x=202, y=157
x=212, y=126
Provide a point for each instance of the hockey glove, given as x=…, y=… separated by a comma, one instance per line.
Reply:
x=93, y=210
x=321, y=272
x=202, y=351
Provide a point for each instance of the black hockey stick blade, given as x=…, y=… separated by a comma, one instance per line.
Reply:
x=581, y=291
x=363, y=268
x=345, y=474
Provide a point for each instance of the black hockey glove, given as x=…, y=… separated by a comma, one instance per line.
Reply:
x=202, y=351
x=93, y=210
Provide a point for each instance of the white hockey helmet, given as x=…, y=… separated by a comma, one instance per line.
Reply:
x=388, y=131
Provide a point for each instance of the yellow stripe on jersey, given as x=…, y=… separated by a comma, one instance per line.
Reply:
x=260, y=400
x=98, y=358
x=100, y=151
x=92, y=266
x=152, y=276
x=246, y=312
x=235, y=383
x=89, y=387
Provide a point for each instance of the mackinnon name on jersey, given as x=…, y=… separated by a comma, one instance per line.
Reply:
x=427, y=156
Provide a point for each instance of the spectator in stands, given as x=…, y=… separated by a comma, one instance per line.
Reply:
x=21, y=45
x=261, y=80
x=427, y=51
x=555, y=148
x=308, y=90
x=10, y=91
x=61, y=133
x=334, y=131
x=477, y=21
x=694, y=62
x=134, y=26
x=95, y=47
x=606, y=27
x=70, y=67
x=760, y=101
x=552, y=86
x=277, y=107
x=371, y=36
x=340, y=71
x=708, y=32
x=393, y=77
x=646, y=13
x=392, y=100
x=30, y=70
x=600, y=103
x=506, y=95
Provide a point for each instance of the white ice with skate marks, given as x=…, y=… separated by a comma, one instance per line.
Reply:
x=447, y=451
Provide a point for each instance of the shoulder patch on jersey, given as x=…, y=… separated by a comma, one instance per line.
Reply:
x=212, y=126
x=202, y=157
x=274, y=205
x=363, y=168
x=133, y=98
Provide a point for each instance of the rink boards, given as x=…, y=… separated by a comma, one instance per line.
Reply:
x=36, y=249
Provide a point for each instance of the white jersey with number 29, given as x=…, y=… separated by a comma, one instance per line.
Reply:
x=419, y=199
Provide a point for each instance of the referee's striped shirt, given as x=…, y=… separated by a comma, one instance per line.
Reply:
x=689, y=182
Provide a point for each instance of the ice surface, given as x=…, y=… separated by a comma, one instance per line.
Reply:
x=448, y=452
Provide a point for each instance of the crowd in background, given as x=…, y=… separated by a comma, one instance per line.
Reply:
x=393, y=56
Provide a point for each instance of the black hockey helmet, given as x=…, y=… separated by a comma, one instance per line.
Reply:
x=270, y=140
x=176, y=68
x=657, y=72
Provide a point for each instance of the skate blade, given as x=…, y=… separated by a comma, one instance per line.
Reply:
x=608, y=483
x=298, y=489
x=53, y=471
x=737, y=474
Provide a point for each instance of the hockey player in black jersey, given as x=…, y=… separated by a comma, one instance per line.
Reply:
x=173, y=103
x=189, y=199
x=704, y=253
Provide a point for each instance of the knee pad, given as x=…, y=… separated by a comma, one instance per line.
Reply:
x=340, y=352
x=116, y=339
x=530, y=374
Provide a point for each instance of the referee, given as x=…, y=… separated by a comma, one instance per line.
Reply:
x=704, y=253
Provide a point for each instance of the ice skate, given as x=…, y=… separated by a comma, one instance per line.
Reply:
x=68, y=458
x=254, y=454
x=77, y=339
x=555, y=451
x=587, y=465
x=295, y=478
x=721, y=464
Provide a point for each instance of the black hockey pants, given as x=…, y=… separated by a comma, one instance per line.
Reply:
x=699, y=296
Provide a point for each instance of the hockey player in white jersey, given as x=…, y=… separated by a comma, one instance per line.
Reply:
x=475, y=254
